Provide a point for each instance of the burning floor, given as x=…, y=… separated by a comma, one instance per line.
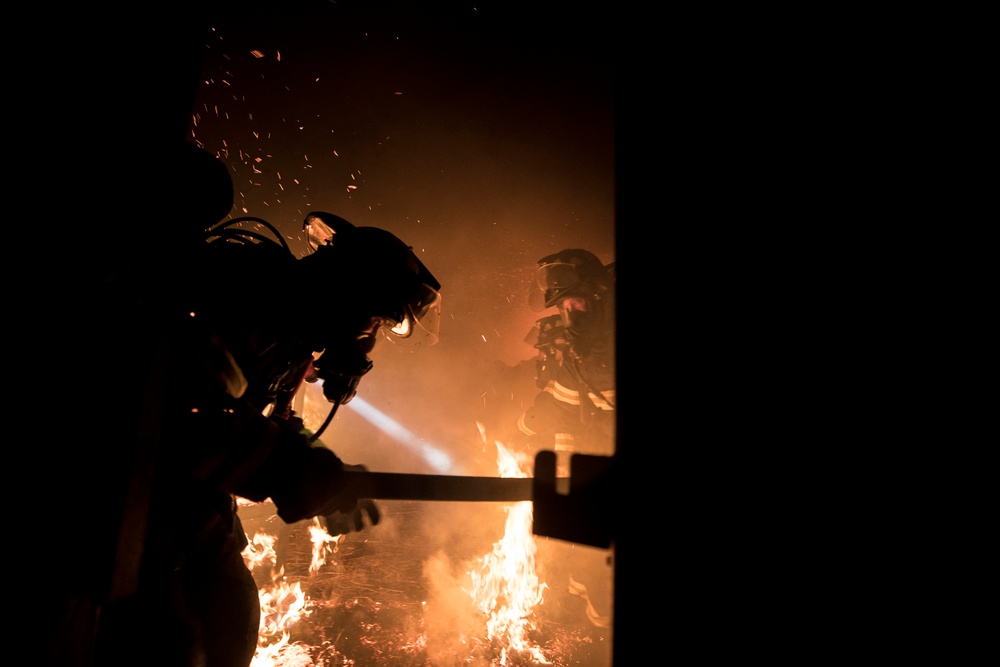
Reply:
x=434, y=585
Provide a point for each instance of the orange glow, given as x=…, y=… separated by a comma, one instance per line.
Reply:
x=323, y=544
x=499, y=622
x=506, y=588
x=281, y=606
x=259, y=550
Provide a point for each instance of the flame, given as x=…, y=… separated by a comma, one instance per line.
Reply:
x=259, y=550
x=321, y=541
x=505, y=586
x=282, y=604
x=282, y=654
x=504, y=593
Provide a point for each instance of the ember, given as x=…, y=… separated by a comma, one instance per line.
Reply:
x=393, y=596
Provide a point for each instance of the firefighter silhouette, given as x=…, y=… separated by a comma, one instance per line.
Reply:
x=214, y=342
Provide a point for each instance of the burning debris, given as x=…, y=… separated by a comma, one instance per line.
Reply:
x=393, y=597
x=507, y=588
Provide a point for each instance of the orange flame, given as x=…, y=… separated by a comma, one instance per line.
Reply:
x=283, y=604
x=259, y=550
x=505, y=586
x=321, y=541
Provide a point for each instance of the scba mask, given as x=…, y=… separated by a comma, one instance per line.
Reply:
x=341, y=366
x=576, y=315
x=369, y=282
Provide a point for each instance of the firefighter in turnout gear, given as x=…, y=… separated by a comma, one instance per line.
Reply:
x=575, y=409
x=218, y=341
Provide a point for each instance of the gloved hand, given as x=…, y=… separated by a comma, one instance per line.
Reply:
x=343, y=492
x=311, y=481
x=341, y=523
x=344, y=512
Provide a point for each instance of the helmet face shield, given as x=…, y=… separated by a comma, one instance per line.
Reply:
x=421, y=321
x=552, y=282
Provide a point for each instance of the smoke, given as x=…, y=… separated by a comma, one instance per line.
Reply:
x=451, y=620
x=426, y=122
x=485, y=146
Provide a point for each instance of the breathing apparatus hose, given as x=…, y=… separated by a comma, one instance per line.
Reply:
x=326, y=422
x=223, y=232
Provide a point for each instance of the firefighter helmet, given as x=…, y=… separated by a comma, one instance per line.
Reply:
x=568, y=273
x=370, y=272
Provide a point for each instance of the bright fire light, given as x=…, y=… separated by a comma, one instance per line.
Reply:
x=259, y=550
x=281, y=605
x=323, y=544
x=506, y=588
